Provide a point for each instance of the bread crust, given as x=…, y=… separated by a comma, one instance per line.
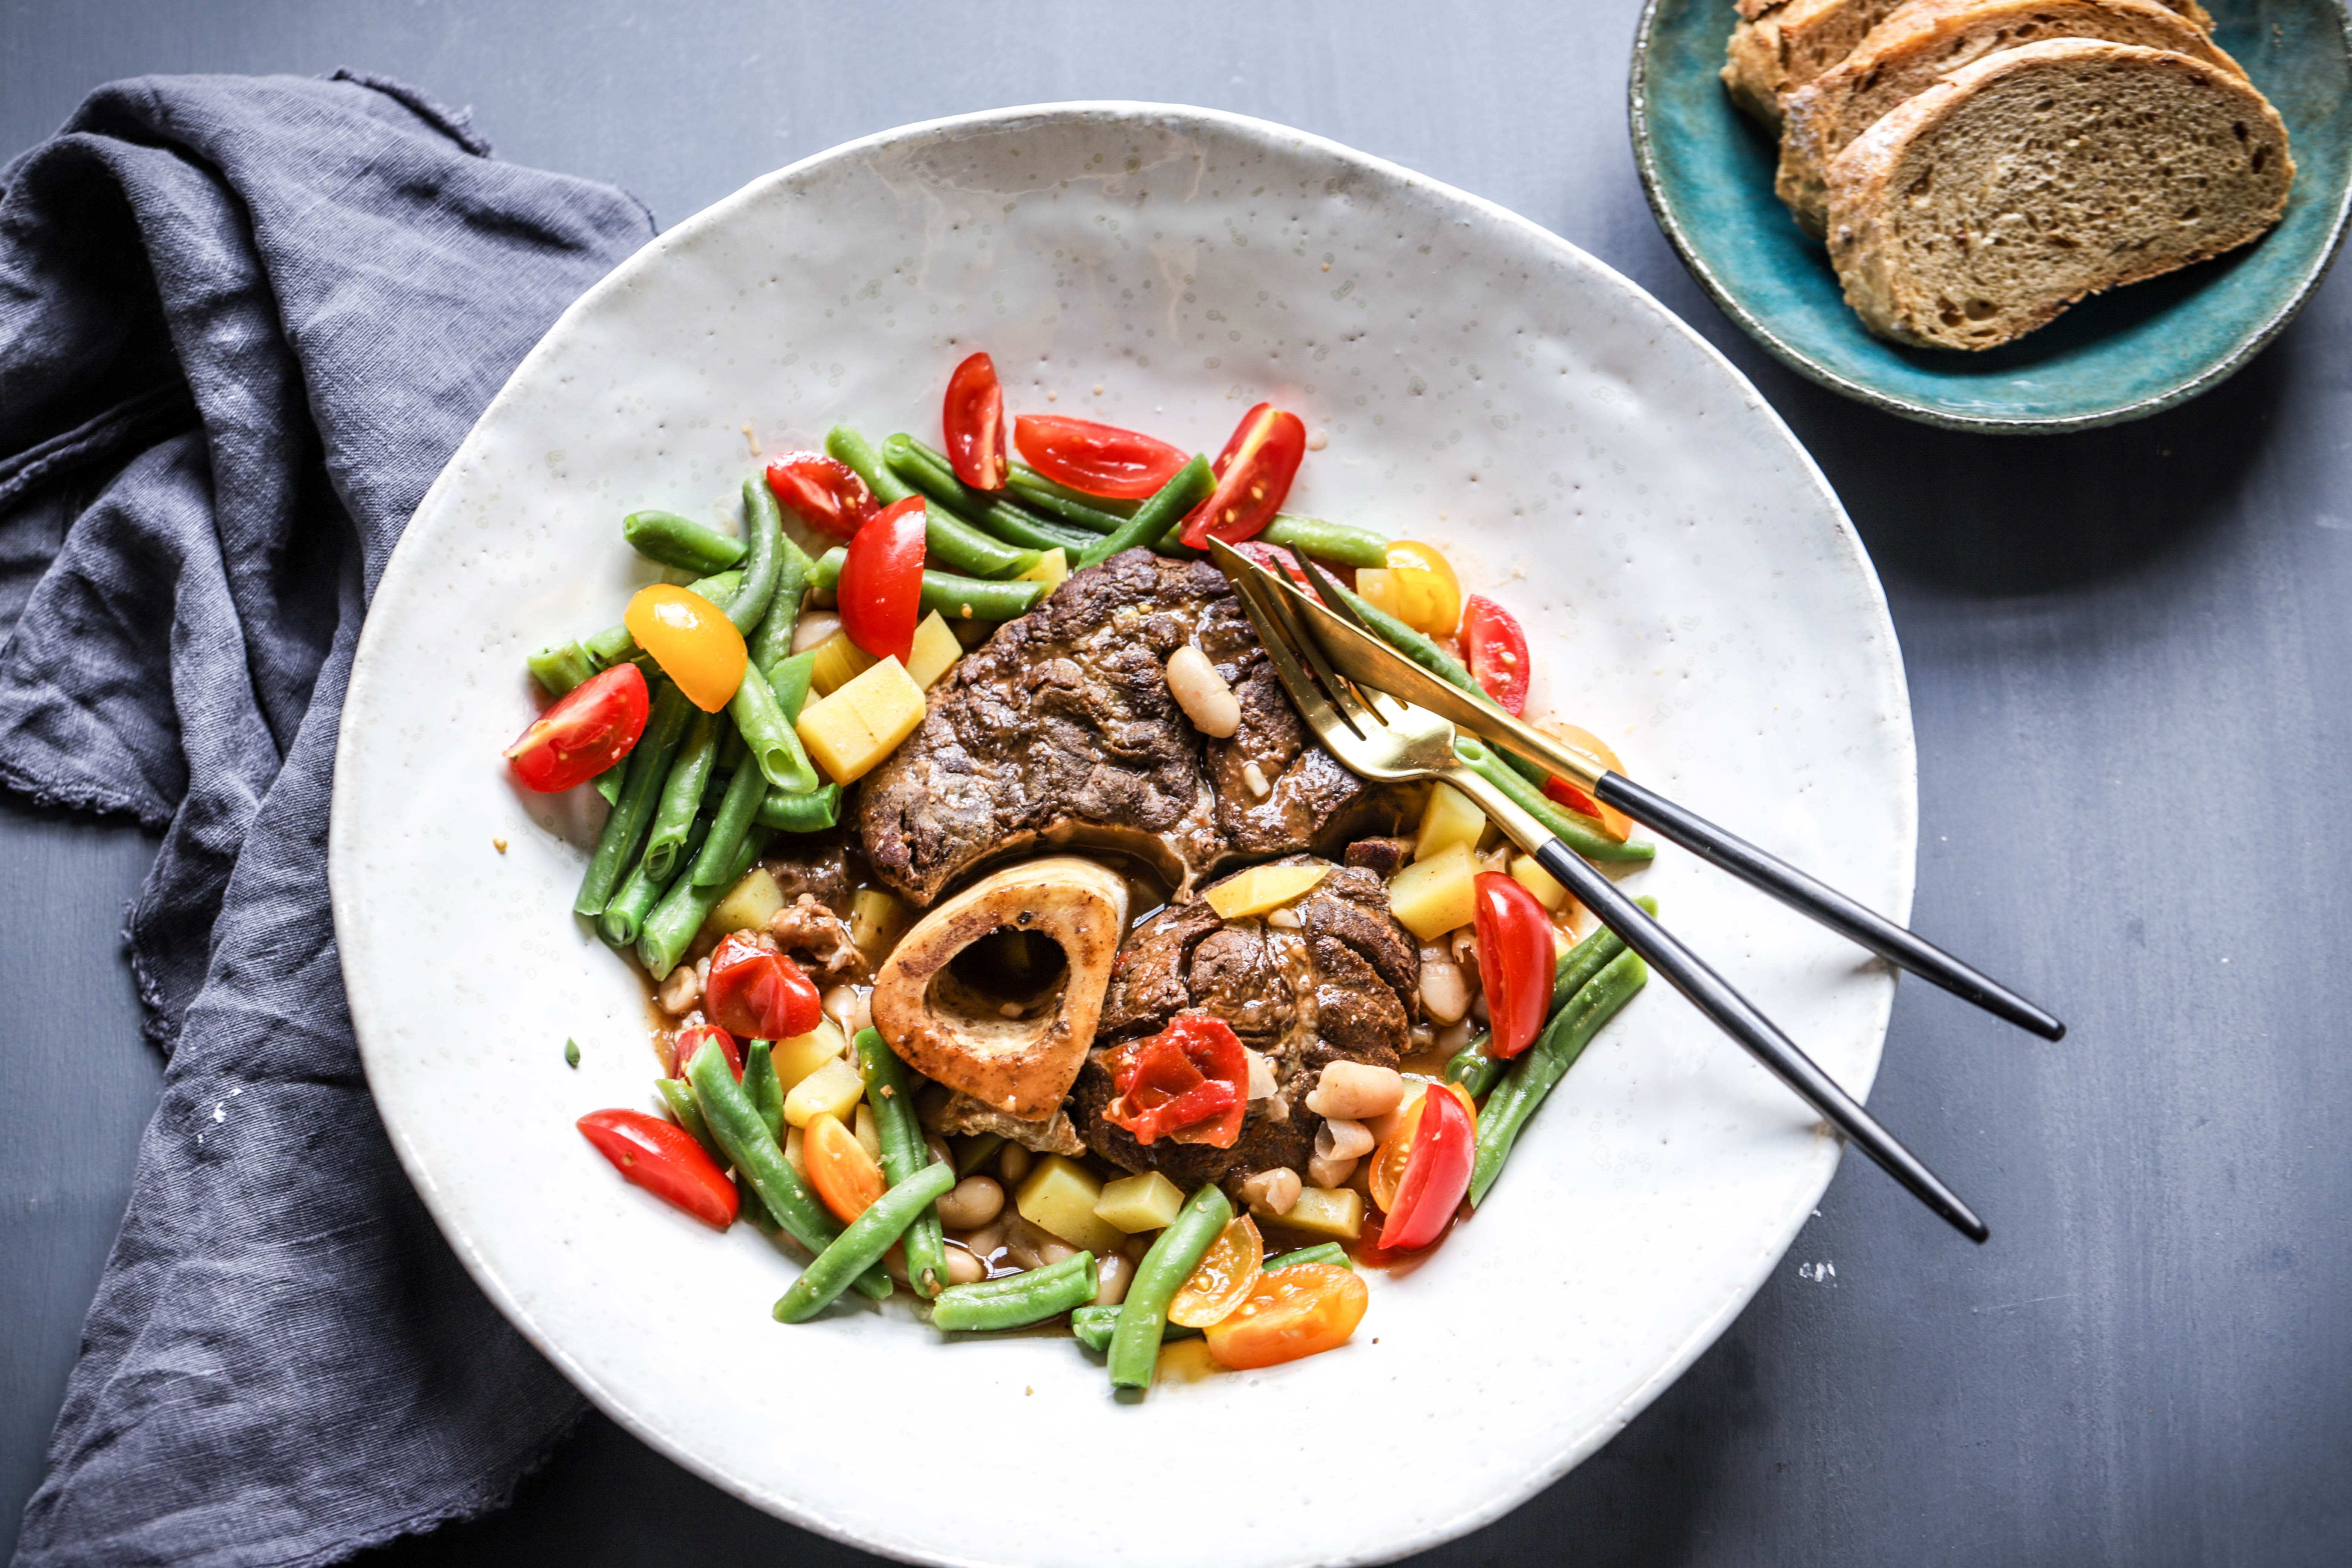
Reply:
x=1881, y=170
x=1924, y=40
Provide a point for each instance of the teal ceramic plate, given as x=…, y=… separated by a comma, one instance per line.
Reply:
x=1707, y=170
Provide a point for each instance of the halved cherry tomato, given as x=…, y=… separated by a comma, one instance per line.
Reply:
x=692, y=640
x=1389, y=1161
x=1497, y=650
x=1100, y=460
x=1189, y=1083
x=843, y=1174
x=694, y=1039
x=881, y=587
x=974, y=418
x=1275, y=558
x=1253, y=474
x=1590, y=747
x=662, y=1158
x=1514, y=960
x=582, y=733
x=1436, y=1176
x=1225, y=1277
x=1417, y=586
x=758, y=992
x=823, y=491
x=1305, y=1309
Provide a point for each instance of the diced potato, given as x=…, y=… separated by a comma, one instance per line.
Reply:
x=793, y=1139
x=869, y=1133
x=838, y=661
x=1147, y=1201
x=833, y=1089
x=748, y=904
x=1540, y=882
x=877, y=920
x=1450, y=818
x=802, y=1054
x=1336, y=1214
x=1430, y=897
x=1060, y=1196
x=935, y=651
x=1261, y=888
x=862, y=722
x=1052, y=571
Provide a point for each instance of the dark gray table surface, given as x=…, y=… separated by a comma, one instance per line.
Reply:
x=2130, y=656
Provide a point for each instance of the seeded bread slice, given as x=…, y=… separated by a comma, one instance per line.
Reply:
x=1779, y=48
x=1927, y=39
x=1983, y=208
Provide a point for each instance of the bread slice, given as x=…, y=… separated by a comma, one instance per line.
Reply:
x=1927, y=39
x=1984, y=206
x=1779, y=48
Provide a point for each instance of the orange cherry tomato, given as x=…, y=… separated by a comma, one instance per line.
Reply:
x=1303, y=1311
x=1223, y=1278
x=1417, y=586
x=1395, y=1152
x=1590, y=747
x=974, y=422
x=1498, y=652
x=843, y=1174
x=1436, y=1176
x=758, y=992
x=692, y=640
x=582, y=733
x=823, y=491
x=1253, y=475
x=1514, y=960
x=1099, y=459
x=881, y=589
x=662, y=1158
x=694, y=1039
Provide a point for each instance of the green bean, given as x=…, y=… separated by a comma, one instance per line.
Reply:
x=561, y=668
x=1016, y=1302
x=1160, y=514
x=847, y=446
x=681, y=542
x=764, y=556
x=624, y=917
x=681, y=796
x=736, y=1126
x=813, y=812
x=772, y=643
x=608, y=782
x=859, y=1249
x=775, y=743
x=930, y=472
x=763, y=1088
x=947, y=537
x=957, y=598
x=1094, y=1325
x=686, y=1114
x=640, y=790
x=790, y=680
x=1543, y=1065
x=903, y=1153
x=1143, y=1318
x=1326, y=540
x=1096, y=514
x=738, y=808
x=1329, y=1252
x=976, y=1151
x=1475, y=1069
x=1573, y=828
x=671, y=926
x=617, y=645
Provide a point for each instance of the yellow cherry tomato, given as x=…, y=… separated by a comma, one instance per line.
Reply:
x=693, y=641
x=1417, y=586
x=1223, y=1278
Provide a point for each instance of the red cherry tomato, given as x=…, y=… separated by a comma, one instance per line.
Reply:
x=662, y=1158
x=1497, y=650
x=1514, y=960
x=1100, y=460
x=694, y=1039
x=758, y=992
x=1436, y=1176
x=582, y=733
x=1253, y=475
x=881, y=585
x=1189, y=1083
x=974, y=418
x=824, y=492
x=1275, y=558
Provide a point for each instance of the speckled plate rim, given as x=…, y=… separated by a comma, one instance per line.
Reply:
x=1512, y=1489
x=1726, y=299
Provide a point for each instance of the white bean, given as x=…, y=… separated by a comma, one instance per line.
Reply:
x=971, y=1202
x=985, y=1242
x=1260, y=1074
x=1274, y=1191
x=963, y=1267
x=1113, y=1275
x=1322, y=1172
x=1014, y=1162
x=1202, y=693
x=1444, y=991
x=1337, y=1139
x=1454, y=1037
x=815, y=628
x=679, y=991
x=841, y=1007
x=1357, y=1090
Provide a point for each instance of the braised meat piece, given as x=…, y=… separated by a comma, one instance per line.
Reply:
x=1061, y=731
x=1339, y=984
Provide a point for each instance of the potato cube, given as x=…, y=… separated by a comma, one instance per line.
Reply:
x=1052, y=570
x=1059, y=1196
x=834, y=1089
x=1335, y=1213
x=862, y=722
x=935, y=651
x=1147, y=1201
x=1451, y=817
x=838, y=661
x=793, y=1141
x=869, y=1133
x=876, y=919
x=1261, y=888
x=748, y=905
x=1430, y=897
x=1540, y=882
x=802, y=1054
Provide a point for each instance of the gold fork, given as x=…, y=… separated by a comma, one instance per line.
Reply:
x=1382, y=737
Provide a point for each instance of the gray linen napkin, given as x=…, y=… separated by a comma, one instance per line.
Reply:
x=242, y=323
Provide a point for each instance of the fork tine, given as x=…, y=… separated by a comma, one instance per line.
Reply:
x=1343, y=692
x=1390, y=708
x=1304, y=694
x=1329, y=592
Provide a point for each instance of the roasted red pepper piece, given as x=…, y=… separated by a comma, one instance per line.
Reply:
x=1189, y=1083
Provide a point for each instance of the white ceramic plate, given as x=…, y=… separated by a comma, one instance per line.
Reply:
x=1693, y=594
